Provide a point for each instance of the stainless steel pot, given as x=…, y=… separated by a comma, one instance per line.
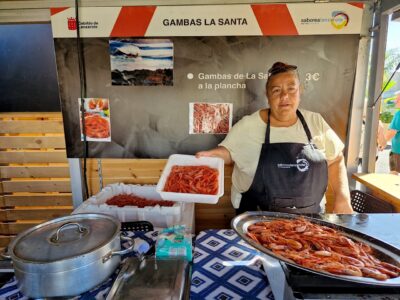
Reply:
x=67, y=256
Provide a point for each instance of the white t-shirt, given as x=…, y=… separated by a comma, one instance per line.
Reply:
x=245, y=139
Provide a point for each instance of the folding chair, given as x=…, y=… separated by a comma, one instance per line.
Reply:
x=366, y=203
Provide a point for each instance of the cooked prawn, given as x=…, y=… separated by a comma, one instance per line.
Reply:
x=320, y=248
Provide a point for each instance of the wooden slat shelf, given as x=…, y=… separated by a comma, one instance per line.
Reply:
x=36, y=199
x=31, y=115
x=33, y=156
x=34, y=171
x=31, y=126
x=33, y=213
x=17, y=227
x=49, y=185
x=5, y=240
x=32, y=142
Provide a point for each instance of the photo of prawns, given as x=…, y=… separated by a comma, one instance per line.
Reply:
x=97, y=119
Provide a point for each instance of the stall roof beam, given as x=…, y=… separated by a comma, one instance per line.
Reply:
x=358, y=100
x=396, y=16
x=390, y=6
x=37, y=11
x=381, y=21
x=23, y=4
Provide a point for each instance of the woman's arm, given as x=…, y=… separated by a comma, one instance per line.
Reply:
x=337, y=178
x=220, y=152
x=389, y=134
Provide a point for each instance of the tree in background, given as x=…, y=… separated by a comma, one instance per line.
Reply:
x=388, y=109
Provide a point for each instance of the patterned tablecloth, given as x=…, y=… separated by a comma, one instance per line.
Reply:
x=10, y=290
x=214, y=277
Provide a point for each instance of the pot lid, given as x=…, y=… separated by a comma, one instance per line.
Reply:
x=65, y=237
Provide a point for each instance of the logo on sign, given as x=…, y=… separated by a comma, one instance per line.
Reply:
x=71, y=24
x=301, y=164
x=339, y=19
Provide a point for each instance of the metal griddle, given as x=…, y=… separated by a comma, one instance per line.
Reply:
x=383, y=251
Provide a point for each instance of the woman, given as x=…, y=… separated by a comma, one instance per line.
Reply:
x=297, y=153
x=393, y=133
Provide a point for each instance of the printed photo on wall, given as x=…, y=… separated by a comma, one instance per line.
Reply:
x=210, y=118
x=143, y=62
x=97, y=119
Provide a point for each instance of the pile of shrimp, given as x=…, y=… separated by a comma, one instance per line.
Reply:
x=192, y=180
x=320, y=248
x=122, y=200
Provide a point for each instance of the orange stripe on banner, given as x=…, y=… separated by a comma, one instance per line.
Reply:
x=133, y=21
x=56, y=10
x=357, y=4
x=274, y=19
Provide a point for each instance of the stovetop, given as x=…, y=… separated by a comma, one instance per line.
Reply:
x=302, y=281
x=291, y=283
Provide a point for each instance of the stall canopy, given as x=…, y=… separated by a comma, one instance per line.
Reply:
x=330, y=42
x=175, y=78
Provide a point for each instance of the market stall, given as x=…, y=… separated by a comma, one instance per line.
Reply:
x=141, y=83
x=156, y=83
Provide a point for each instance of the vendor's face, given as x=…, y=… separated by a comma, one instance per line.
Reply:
x=283, y=92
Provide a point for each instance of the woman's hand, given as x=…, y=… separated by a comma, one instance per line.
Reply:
x=220, y=152
x=342, y=207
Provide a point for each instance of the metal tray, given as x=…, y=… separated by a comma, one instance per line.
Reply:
x=382, y=250
x=151, y=279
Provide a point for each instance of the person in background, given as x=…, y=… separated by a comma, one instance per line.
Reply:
x=393, y=133
x=283, y=156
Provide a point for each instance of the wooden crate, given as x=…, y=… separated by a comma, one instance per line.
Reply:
x=34, y=184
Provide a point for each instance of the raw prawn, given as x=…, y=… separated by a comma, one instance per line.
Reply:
x=192, y=180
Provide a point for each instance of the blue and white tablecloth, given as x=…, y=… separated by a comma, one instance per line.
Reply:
x=10, y=290
x=214, y=277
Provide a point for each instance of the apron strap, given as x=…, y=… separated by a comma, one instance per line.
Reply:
x=267, y=132
x=303, y=122
x=305, y=126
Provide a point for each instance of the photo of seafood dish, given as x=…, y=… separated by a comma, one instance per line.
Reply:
x=98, y=104
x=96, y=126
x=320, y=248
x=210, y=118
x=97, y=119
x=192, y=180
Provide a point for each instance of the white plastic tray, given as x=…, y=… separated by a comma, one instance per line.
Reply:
x=159, y=216
x=190, y=160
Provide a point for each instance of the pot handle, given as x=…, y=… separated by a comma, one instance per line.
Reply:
x=4, y=254
x=55, y=238
x=127, y=250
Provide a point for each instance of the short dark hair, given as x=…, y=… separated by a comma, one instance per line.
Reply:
x=280, y=67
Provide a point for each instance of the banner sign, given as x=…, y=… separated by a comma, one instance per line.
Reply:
x=209, y=20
